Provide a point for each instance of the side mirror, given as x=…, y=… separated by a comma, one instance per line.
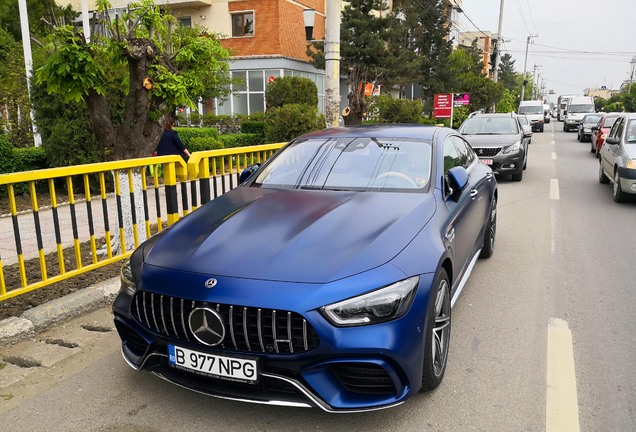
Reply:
x=457, y=180
x=247, y=172
x=612, y=140
x=565, y=112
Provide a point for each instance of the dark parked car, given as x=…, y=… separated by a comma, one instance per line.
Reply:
x=618, y=157
x=325, y=279
x=586, y=125
x=600, y=131
x=499, y=141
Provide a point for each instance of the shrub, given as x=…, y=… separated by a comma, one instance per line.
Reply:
x=6, y=155
x=28, y=159
x=386, y=109
x=291, y=90
x=187, y=134
x=205, y=143
x=253, y=127
x=223, y=123
x=290, y=121
x=241, y=140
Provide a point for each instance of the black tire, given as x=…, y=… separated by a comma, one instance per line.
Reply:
x=490, y=233
x=619, y=195
x=541, y=129
x=592, y=147
x=438, y=329
x=578, y=136
x=518, y=176
x=602, y=178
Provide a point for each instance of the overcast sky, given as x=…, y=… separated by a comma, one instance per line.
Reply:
x=581, y=43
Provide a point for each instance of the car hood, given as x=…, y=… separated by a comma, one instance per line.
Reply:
x=491, y=140
x=293, y=235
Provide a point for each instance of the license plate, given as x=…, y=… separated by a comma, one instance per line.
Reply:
x=229, y=368
x=486, y=161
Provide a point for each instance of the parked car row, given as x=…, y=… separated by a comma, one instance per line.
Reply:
x=617, y=157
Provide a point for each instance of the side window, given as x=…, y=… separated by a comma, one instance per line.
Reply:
x=243, y=24
x=452, y=158
x=614, y=132
x=620, y=129
x=467, y=155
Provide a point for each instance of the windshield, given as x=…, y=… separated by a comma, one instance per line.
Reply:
x=531, y=109
x=583, y=108
x=591, y=119
x=523, y=120
x=631, y=132
x=350, y=164
x=609, y=122
x=489, y=126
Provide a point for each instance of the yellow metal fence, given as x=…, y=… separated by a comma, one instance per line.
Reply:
x=100, y=215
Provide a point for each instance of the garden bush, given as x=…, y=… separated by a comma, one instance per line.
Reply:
x=241, y=140
x=291, y=90
x=386, y=109
x=289, y=121
x=187, y=134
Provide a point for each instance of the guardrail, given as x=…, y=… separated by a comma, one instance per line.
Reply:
x=70, y=239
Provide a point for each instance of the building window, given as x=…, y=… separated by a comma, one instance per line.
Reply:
x=185, y=22
x=243, y=24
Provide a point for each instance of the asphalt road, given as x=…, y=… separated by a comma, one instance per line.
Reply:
x=543, y=338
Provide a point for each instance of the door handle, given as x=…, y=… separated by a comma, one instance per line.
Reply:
x=489, y=176
x=474, y=193
x=450, y=234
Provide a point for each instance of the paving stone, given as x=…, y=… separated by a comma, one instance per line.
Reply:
x=11, y=374
x=43, y=354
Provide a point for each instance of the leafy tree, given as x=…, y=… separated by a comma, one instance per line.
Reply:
x=424, y=25
x=508, y=102
x=160, y=66
x=629, y=99
x=467, y=71
x=42, y=13
x=13, y=92
x=507, y=75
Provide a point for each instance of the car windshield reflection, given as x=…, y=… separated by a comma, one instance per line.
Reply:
x=490, y=126
x=350, y=164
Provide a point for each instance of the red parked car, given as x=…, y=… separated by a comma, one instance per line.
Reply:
x=600, y=131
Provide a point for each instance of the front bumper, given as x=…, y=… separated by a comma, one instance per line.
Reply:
x=349, y=369
x=627, y=180
x=505, y=163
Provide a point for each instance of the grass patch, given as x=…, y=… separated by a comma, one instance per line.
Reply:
x=6, y=396
x=2, y=365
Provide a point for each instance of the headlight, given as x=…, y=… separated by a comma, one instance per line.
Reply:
x=127, y=282
x=588, y=130
x=375, y=307
x=631, y=164
x=513, y=148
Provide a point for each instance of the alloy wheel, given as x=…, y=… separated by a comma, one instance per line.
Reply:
x=441, y=329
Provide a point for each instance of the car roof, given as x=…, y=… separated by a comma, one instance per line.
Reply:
x=499, y=115
x=425, y=132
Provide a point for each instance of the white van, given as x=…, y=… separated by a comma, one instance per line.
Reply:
x=533, y=109
x=575, y=110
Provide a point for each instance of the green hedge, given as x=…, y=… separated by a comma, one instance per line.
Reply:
x=187, y=134
x=291, y=90
x=253, y=127
x=241, y=140
x=205, y=143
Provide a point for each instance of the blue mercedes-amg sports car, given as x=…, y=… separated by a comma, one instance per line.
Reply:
x=325, y=279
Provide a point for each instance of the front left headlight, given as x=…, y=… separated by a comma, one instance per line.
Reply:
x=127, y=281
x=382, y=305
x=513, y=148
x=630, y=164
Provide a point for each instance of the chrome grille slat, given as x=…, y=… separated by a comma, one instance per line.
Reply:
x=245, y=330
x=260, y=329
x=290, y=333
x=163, y=319
x=232, y=326
x=174, y=326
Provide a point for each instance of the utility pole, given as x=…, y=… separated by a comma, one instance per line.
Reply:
x=499, y=41
x=332, y=63
x=86, y=21
x=28, y=62
x=534, y=81
x=525, y=63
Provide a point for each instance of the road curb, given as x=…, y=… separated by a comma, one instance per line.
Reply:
x=56, y=311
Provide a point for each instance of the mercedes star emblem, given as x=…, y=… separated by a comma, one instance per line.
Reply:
x=207, y=326
x=211, y=283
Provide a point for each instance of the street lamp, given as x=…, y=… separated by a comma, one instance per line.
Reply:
x=309, y=16
x=525, y=63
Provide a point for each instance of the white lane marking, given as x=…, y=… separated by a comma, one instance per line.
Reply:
x=553, y=230
x=553, y=142
x=554, y=189
x=562, y=407
x=553, y=155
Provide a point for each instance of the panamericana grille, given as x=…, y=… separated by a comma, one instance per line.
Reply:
x=248, y=329
x=487, y=151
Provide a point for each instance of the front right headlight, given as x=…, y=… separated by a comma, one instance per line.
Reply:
x=630, y=164
x=127, y=281
x=382, y=305
x=513, y=148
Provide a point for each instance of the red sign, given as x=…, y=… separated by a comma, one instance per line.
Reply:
x=270, y=79
x=443, y=105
